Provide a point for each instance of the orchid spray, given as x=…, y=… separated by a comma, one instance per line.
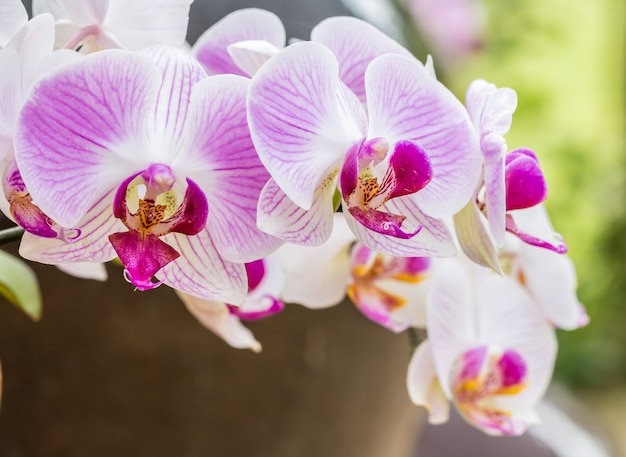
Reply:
x=246, y=174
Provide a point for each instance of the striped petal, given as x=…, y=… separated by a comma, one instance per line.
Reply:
x=302, y=119
x=200, y=270
x=355, y=43
x=179, y=73
x=406, y=103
x=91, y=244
x=220, y=156
x=283, y=219
x=75, y=141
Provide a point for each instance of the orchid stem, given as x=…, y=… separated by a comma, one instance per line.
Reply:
x=10, y=235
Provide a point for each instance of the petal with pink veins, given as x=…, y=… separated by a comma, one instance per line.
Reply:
x=179, y=74
x=220, y=157
x=355, y=43
x=302, y=118
x=89, y=244
x=202, y=272
x=406, y=103
x=283, y=219
x=82, y=131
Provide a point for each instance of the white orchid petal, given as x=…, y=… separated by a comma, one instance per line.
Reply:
x=424, y=387
x=302, y=119
x=200, y=270
x=283, y=219
x=216, y=317
x=317, y=277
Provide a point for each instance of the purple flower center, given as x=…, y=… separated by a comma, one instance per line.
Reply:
x=371, y=176
x=150, y=206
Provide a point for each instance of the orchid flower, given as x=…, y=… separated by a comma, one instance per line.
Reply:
x=412, y=160
x=390, y=291
x=265, y=281
x=509, y=182
x=492, y=351
x=134, y=150
x=91, y=25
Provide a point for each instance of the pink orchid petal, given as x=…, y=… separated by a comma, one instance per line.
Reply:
x=406, y=103
x=423, y=385
x=85, y=270
x=317, y=277
x=92, y=245
x=450, y=318
x=251, y=54
x=433, y=239
x=180, y=72
x=355, y=43
x=201, y=271
x=216, y=317
x=13, y=17
x=302, y=119
x=508, y=319
x=283, y=219
x=525, y=183
x=220, y=157
x=75, y=140
x=211, y=49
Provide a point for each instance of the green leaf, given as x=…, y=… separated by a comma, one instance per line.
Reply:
x=19, y=285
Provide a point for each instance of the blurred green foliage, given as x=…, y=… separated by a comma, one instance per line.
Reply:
x=566, y=61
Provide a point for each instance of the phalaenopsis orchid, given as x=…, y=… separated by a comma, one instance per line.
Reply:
x=246, y=173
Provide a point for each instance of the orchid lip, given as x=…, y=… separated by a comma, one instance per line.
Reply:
x=483, y=373
x=150, y=205
x=372, y=175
